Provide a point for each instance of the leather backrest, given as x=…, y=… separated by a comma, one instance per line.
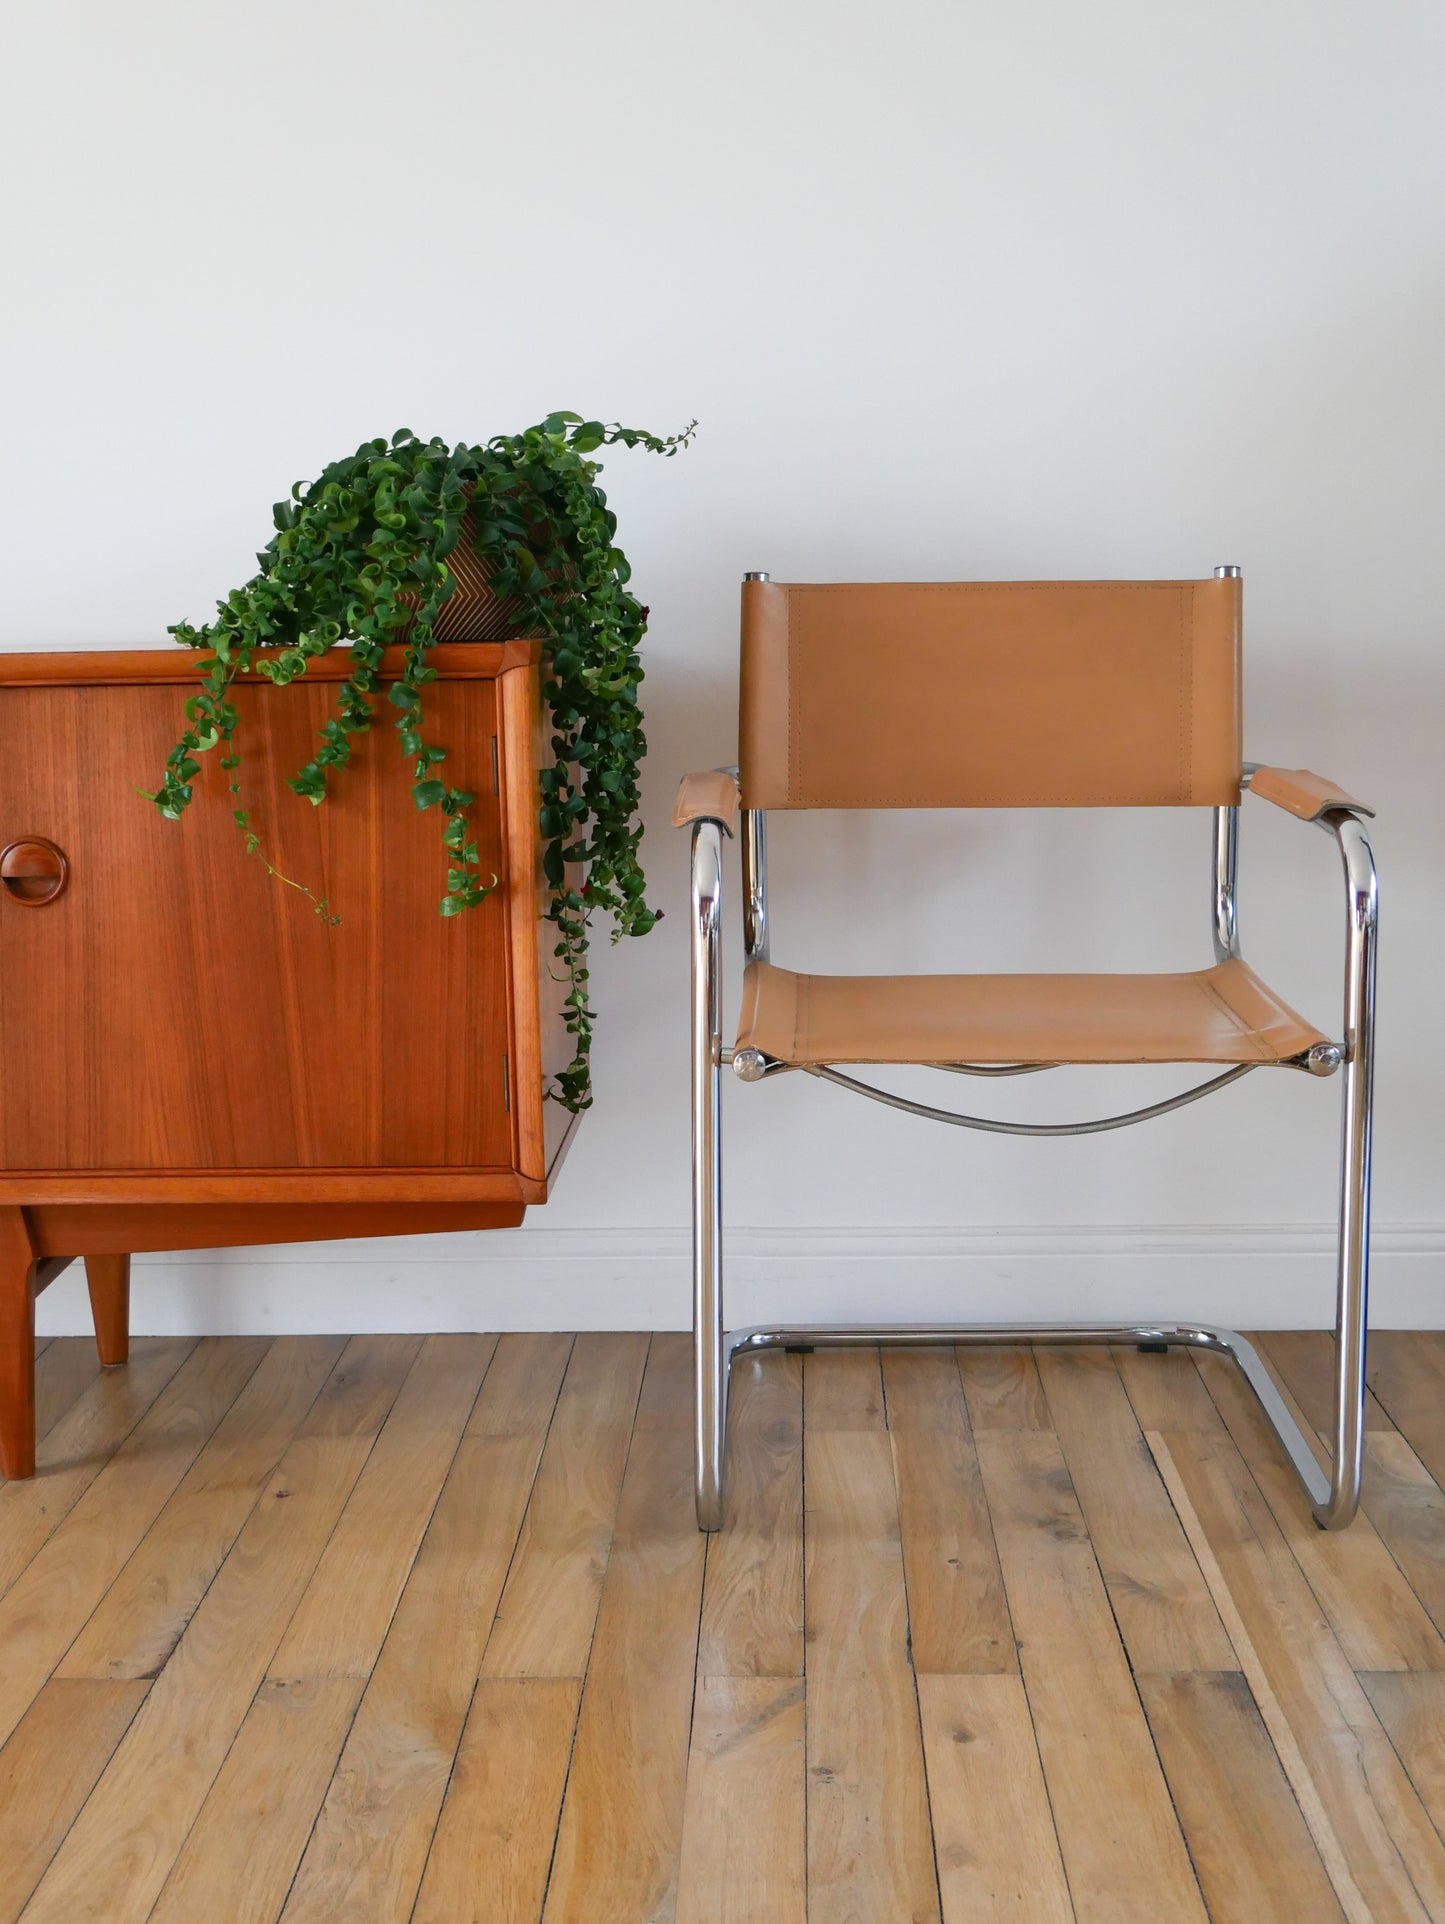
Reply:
x=1023, y=694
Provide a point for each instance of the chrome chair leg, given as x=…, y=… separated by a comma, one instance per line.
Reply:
x=709, y=1346
x=1348, y=1430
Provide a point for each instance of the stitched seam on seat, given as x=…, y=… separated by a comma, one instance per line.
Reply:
x=1241, y=1028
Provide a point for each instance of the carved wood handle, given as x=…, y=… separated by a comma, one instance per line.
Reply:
x=33, y=871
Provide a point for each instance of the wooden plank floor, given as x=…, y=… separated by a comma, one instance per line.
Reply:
x=399, y=1629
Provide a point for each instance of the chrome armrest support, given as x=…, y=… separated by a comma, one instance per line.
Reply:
x=1226, y=884
x=707, y=934
x=754, y=833
x=1362, y=924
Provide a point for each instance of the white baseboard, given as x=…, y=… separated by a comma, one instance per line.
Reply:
x=1278, y=1277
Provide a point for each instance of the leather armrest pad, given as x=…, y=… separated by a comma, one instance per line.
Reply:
x=1302, y=792
x=711, y=796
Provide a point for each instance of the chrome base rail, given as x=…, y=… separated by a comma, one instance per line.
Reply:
x=1334, y=1494
x=1224, y=1342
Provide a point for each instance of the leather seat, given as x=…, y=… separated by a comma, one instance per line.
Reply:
x=1223, y=1014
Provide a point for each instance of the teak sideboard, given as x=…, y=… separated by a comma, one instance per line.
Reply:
x=189, y=1056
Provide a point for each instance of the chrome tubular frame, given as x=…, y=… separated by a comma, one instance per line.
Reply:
x=710, y=1354
x=1334, y=1491
x=1335, y=1506
x=753, y=832
x=1226, y=870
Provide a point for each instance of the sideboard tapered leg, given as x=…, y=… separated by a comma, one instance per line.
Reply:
x=108, y=1278
x=17, y=1345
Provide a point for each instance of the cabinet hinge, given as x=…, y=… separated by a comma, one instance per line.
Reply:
x=496, y=782
x=506, y=1082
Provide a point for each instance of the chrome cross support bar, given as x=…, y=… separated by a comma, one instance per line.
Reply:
x=1096, y=1126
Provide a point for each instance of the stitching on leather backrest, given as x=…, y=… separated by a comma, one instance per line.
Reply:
x=792, y=698
x=1187, y=644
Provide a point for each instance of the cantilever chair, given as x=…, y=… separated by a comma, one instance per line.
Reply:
x=1067, y=695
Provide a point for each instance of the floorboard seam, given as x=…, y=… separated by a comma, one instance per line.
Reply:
x=1276, y=1722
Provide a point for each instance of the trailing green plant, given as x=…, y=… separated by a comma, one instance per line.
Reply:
x=360, y=556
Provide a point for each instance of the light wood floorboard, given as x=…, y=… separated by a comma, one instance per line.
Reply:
x=405, y=1631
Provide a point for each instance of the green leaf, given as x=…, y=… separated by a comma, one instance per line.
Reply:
x=427, y=794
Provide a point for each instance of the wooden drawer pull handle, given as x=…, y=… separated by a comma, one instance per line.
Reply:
x=33, y=871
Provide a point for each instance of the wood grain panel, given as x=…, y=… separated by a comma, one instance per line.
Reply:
x=340, y=1623
x=1407, y=1374
x=177, y=667
x=752, y=1604
x=247, y=1839
x=1377, y=1617
x=79, y=1445
x=843, y=1390
x=1304, y=1359
x=923, y=1391
x=869, y=1850
x=1161, y=1602
x=1385, y=1840
x=47, y=1770
x=493, y=1847
x=1002, y=1388
x=957, y=1612
x=52, y=1598
x=1165, y=1391
x=20, y=1279
x=543, y=1046
x=993, y=1831
x=74, y=1229
x=241, y=1853
x=64, y=1370
x=1125, y=1857
x=143, y=1614
x=1407, y=1507
x=115, y=1860
x=549, y=1607
x=621, y=1829
x=402, y=1788
x=1250, y=1845
x=744, y=1853
x=289, y=1043
x=1412, y=1710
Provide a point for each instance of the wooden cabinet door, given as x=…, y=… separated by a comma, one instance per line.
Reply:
x=177, y=1008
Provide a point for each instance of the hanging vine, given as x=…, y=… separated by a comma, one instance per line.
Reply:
x=360, y=556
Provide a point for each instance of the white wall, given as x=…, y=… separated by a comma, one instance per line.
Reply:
x=956, y=291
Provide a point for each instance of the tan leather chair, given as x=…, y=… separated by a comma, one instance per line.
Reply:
x=1070, y=695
